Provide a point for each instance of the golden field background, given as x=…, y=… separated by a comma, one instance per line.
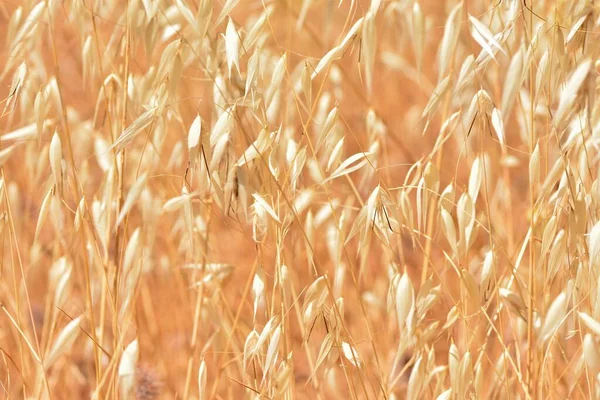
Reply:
x=299, y=199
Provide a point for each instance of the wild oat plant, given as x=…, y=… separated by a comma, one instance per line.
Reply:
x=299, y=199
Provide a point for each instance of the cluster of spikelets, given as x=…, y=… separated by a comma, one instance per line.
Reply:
x=300, y=198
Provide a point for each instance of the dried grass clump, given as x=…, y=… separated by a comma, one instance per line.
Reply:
x=300, y=199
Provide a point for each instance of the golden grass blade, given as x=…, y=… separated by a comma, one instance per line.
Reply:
x=591, y=355
x=227, y=8
x=349, y=352
x=132, y=197
x=55, y=154
x=127, y=368
x=202, y=380
x=338, y=50
x=232, y=47
x=141, y=123
x=591, y=323
x=349, y=165
x=484, y=37
x=30, y=22
x=554, y=318
x=449, y=40
x=63, y=343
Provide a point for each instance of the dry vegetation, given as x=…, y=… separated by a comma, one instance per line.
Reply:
x=302, y=199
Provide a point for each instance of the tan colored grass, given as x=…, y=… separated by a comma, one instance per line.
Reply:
x=288, y=199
